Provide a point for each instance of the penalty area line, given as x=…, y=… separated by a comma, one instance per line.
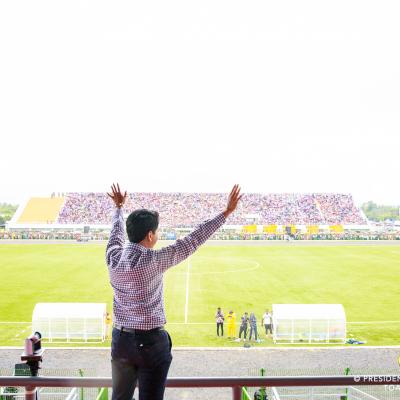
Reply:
x=349, y=322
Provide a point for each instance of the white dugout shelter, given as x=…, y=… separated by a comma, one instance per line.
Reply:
x=70, y=321
x=308, y=323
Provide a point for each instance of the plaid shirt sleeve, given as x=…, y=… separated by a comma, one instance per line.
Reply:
x=183, y=248
x=117, y=239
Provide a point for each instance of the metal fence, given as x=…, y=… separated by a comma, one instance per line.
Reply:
x=51, y=393
x=43, y=393
x=326, y=393
x=234, y=383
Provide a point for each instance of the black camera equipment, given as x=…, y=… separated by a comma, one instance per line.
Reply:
x=32, y=356
x=33, y=352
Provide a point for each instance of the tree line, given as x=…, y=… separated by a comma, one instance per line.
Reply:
x=377, y=212
x=6, y=212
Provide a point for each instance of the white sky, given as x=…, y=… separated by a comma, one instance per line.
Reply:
x=279, y=96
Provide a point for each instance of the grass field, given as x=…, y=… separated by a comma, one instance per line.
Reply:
x=365, y=279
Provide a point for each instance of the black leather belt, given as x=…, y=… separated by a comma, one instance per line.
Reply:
x=138, y=331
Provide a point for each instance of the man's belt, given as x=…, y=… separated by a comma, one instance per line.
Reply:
x=138, y=331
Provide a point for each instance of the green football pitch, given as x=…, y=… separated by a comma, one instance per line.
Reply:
x=365, y=279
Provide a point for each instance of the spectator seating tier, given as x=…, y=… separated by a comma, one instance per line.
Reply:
x=41, y=210
x=188, y=209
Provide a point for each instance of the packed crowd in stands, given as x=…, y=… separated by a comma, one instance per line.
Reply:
x=188, y=209
x=338, y=207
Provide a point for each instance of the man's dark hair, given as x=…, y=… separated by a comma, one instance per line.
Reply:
x=140, y=223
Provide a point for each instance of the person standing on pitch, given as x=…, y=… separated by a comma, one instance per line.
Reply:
x=231, y=319
x=219, y=316
x=253, y=327
x=140, y=347
x=243, y=326
x=267, y=322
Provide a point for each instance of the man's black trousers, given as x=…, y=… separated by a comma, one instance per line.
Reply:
x=143, y=356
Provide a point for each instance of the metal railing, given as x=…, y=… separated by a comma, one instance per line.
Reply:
x=72, y=394
x=235, y=383
x=334, y=393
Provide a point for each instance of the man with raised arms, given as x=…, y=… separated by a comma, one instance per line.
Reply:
x=141, y=347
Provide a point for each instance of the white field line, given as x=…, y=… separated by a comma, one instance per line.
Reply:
x=212, y=323
x=373, y=322
x=354, y=322
x=187, y=292
x=231, y=260
x=22, y=331
x=216, y=348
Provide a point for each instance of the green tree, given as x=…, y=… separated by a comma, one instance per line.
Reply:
x=376, y=212
x=6, y=212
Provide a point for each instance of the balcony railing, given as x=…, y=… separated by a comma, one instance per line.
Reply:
x=235, y=383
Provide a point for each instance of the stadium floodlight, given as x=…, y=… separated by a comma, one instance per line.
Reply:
x=70, y=321
x=308, y=323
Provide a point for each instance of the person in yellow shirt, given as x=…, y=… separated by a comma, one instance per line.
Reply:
x=108, y=321
x=231, y=323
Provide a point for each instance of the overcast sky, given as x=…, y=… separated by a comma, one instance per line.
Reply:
x=279, y=96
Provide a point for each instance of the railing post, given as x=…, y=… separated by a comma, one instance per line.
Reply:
x=30, y=393
x=236, y=392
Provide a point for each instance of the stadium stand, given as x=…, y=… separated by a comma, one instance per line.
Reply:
x=272, y=216
x=179, y=210
x=338, y=209
x=41, y=210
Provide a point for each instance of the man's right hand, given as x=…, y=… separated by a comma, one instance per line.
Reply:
x=117, y=197
x=233, y=200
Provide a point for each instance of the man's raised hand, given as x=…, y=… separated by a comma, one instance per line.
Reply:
x=233, y=200
x=116, y=195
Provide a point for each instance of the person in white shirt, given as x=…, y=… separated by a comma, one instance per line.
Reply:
x=219, y=316
x=267, y=322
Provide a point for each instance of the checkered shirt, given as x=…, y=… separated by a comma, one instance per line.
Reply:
x=136, y=272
